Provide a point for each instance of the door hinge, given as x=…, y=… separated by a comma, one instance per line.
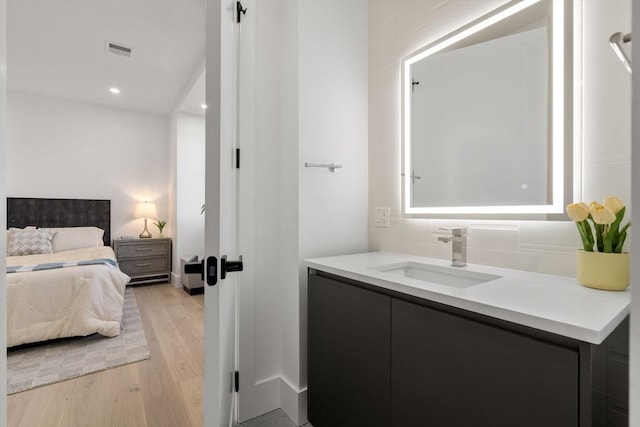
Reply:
x=237, y=158
x=236, y=381
x=240, y=11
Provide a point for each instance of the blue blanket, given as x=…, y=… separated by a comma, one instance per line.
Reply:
x=111, y=263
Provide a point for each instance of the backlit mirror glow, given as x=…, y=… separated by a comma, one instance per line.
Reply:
x=484, y=116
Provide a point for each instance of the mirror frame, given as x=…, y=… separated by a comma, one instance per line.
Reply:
x=562, y=147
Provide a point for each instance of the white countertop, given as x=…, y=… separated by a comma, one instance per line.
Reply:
x=555, y=304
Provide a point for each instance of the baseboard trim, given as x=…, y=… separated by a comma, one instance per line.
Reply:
x=175, y=280
x=293, y=401
x=259, y=398
x=282, y=394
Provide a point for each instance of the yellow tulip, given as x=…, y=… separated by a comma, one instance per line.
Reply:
x=614, y=204
x=601, y=214
x=578, y=211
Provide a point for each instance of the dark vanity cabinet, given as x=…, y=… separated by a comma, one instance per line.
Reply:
x=452, y=371
x=380, y=358
x=349, y=381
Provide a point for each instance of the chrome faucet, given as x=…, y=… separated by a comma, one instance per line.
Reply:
x=458, y=247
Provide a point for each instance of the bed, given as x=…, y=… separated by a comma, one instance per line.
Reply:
x=73, y=288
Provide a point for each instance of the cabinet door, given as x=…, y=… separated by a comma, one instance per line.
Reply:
x=448, y=371
x=349, y=355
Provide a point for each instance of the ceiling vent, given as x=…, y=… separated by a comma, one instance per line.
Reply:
x=118, y=49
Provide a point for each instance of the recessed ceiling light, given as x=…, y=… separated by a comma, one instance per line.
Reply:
x=114, y=90
x=203, y=106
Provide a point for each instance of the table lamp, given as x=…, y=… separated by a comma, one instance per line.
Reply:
x=145, y=210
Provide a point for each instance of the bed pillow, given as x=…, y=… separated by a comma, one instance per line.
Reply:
x=29, y=241
x=31, y=227
x=68, y=238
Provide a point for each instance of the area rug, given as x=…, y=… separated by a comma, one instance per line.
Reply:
x=31, y=367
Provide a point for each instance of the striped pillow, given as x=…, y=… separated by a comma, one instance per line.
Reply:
x=29, y=241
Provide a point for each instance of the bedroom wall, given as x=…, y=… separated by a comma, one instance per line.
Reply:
x=67, y=149
x=188, y=233
x=173, y=187
x=541, y=246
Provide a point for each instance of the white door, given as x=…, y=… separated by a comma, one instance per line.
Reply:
x=221, y=214
x=259, y=392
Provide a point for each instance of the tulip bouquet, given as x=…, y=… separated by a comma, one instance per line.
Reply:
x=606, y=235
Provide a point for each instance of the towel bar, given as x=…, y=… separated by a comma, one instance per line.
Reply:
x=331, y=166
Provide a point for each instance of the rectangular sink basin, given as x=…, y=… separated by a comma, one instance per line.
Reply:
x=456, y=277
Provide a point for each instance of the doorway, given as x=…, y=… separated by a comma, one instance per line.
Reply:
x=90, y=142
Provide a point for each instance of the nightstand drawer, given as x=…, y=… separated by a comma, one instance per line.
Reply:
x=136, y=267
x=144, y=260
x=146, y=249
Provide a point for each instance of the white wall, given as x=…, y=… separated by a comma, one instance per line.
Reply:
x=66, y=149
x=3, y=207
x=332, y=102
x=310, y=106
x=607, y=102
x=172, y=196
x=540, y=246
x=188, y=233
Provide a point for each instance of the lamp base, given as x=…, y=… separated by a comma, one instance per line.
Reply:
x=145, y=233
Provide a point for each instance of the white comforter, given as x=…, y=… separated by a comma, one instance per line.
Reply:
x=65, y=302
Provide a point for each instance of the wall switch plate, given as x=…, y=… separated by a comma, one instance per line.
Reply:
x=382, y=217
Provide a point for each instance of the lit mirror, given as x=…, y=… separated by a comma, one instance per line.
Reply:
x=485, y=115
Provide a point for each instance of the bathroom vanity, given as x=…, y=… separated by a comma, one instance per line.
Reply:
x=399, y=340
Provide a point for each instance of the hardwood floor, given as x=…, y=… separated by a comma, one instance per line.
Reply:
x=165, y=390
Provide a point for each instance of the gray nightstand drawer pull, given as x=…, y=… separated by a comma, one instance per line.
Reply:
x=143, y=249
x=146, y=264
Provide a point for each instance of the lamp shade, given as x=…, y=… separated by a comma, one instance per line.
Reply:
x=146, y=210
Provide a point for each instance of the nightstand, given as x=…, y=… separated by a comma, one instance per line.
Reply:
x=144, y=260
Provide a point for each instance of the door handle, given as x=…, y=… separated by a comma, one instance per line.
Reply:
x=227, y=266
x=212, y=270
